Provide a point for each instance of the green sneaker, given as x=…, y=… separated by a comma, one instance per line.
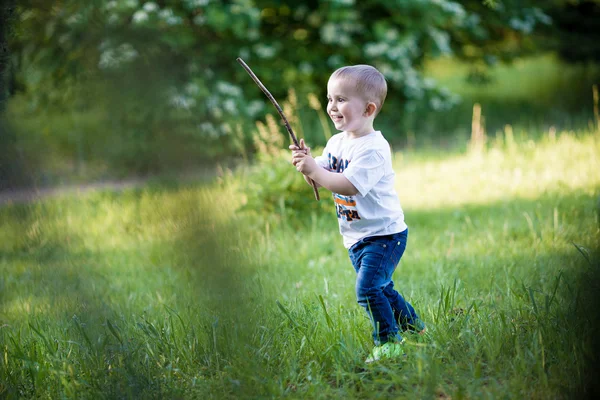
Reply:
x=386, y=350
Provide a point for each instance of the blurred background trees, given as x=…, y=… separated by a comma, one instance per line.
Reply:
x=102, y=88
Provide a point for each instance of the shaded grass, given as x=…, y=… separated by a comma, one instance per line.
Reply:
x=168, y=293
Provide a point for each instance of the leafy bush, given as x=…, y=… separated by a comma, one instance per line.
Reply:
x=274, y=190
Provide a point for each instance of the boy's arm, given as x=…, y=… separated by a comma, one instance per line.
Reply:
x=333, y=181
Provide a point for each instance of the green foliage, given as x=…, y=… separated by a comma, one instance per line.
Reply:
x=272, y=189
x=574, y=34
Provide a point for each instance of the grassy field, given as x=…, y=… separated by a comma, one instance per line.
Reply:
x=168, y=292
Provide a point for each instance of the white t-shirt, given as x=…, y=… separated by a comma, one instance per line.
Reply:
x=367, y=163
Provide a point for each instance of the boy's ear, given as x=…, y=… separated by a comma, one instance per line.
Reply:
x=370, y=110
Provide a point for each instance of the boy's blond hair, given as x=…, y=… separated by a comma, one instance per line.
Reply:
x=370, y=83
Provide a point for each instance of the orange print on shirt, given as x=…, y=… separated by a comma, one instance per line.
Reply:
x=350, y=203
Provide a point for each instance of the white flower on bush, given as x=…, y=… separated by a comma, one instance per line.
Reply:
x=212, y=102
x=264, y=51
x=335, y=60
x=192, y=88
x=414, y=89
x=197, y=3
x=217, y=112
x=140, y=16
x=253, y=13
x=131, y=3
x=329, y=32
x=169, y=17
x=436, y=103
x=525, y=25
x=376, y=49
x=199, y=19
x=150, y=7
x=105, y=44
x=74, y=19
x=429, y=83
x=253, y=33
x=305, y=68
x=338, y=33
x=182, y=101
x=113, y=19
x=451, y=7
x=229, y=106
x=392, y=35
x=396, y=53
x=225, y=128
x=107, y=59
x=441, y=40
x=255, y=107
x=228, y=89
x=113, y=57
x=208, y=129
x=344, y=40
x=541, y=16
x=391, y=73
x=174, y=20
x=244, y=52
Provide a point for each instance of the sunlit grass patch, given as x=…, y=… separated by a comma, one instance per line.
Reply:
x=505, y=171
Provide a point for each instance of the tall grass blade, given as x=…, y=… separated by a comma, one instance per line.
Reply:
x=287, y=314
x=114, y=331
x=550, y=299
x=584, y=252
x=532, y=298
x=83, y=333
x=45, y=340
x=327, y=317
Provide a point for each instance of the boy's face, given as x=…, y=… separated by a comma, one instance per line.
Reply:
x=347, y=108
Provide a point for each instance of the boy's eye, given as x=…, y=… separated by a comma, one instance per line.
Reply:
x=340, y=100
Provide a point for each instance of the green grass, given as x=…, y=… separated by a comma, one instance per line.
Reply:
x=543, y=78
x=533, y=95
x=167, y=292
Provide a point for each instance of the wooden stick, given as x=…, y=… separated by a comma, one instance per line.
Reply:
x=281, y=114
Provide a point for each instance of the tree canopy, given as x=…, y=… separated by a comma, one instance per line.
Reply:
x=167, y=63
x=197, y=41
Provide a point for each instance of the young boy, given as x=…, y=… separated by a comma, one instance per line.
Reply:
x=356, y=167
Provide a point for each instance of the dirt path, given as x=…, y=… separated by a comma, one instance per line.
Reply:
x=30, y=195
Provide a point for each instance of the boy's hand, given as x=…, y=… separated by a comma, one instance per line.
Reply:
x=302, y=147
x=302, y=158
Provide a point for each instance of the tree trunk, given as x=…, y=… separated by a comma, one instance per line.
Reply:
x=12, y=173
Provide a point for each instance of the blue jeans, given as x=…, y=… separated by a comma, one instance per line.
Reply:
x=375, y=258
